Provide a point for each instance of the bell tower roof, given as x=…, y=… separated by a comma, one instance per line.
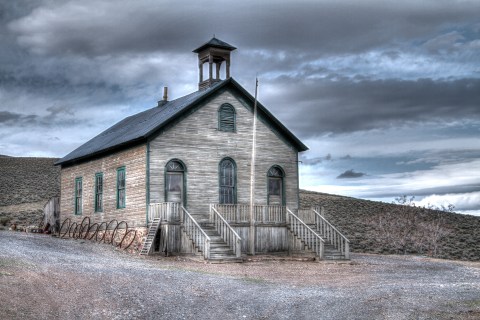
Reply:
x=215, y=43
x=214, y=53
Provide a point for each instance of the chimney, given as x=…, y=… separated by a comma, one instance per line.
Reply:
x=165, y=94
x=165, y=97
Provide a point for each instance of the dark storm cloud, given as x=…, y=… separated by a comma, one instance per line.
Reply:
x=316, y=160
x=100, y=28
x=346, y=105
x=63, y=86
x=7, y=117
x=57, y=115
x=349, y=174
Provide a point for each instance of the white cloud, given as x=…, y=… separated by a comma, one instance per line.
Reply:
x=462, y=201
x=440, y=177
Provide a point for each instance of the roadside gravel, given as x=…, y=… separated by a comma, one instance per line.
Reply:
x=48, y=278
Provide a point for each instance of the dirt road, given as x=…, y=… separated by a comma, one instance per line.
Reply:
x=47, y=278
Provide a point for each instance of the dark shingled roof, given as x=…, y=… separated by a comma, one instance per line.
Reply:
x=216, y=43
x=139, y=127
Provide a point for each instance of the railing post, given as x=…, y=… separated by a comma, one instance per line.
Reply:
x=207, y=248
x=149, y=213
x=238, y=249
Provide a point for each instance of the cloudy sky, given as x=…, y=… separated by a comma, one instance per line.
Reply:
x=385, y=93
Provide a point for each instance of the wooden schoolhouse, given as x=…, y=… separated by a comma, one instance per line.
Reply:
x=181, y=173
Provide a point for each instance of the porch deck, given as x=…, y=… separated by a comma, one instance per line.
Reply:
x=276, y=229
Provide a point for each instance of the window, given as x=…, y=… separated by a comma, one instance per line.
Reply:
x=226, y=118
x=275, y=186
x=78, y=195
x=175, y=181
x=227, y=177
x=121, y=188
x=99, y=192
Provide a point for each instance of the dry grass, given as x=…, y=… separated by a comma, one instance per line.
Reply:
x=353, y=217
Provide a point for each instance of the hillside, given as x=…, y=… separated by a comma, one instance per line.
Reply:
x=365, y=223
x=26, y=184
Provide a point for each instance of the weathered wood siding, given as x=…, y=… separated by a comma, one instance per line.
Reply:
x=51, y=214
x=134, y=213
x=197, y=141
x=270, y=239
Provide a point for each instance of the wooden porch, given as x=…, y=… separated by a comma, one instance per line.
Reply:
x=223, y=233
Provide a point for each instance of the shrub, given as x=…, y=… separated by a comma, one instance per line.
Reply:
x=5, y=220
x=407, y=229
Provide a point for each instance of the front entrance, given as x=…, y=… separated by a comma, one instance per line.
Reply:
x=175, y=182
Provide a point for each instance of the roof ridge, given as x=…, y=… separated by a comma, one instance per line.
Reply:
x=139, y=127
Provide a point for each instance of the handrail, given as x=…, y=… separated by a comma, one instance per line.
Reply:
x=196, y=233
x=319, y=215
x=336, y=238
x=165, y=211
x=240, y=213
x=306, y=234
x=226, y=231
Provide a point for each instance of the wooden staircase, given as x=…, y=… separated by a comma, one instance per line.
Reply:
x=152, y=231
x=220, y=251
x=333, y=244
x=337, y=246
x=330, y=252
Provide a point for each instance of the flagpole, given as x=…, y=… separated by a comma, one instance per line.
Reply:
x=251, y=237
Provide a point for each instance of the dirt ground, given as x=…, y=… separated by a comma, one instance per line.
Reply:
x=42, y=277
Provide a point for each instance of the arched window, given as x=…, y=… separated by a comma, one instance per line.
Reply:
x=275, y=186
x=228, y=183
x=175, y=190
x=226, y=118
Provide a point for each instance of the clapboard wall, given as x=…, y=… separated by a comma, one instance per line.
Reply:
x=197, y=142
x=134, y=213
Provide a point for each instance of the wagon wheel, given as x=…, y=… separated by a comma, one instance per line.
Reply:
x=115, y=232
x=72, y=230
x=94, y=233
x=99, y=229
x=131, y=241
x=63, y=225
x=109, y=226
x=84, y=227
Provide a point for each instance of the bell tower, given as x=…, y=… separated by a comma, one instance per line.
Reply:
x=214, y=52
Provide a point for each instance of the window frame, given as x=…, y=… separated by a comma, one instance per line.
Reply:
x=119, y=188
x=282, y=182
x=97, y=194
x=222, y=126
x=234, y=177
x=78, y=198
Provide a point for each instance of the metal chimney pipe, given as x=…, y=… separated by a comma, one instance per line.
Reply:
x=165, y=94
x=165, y=97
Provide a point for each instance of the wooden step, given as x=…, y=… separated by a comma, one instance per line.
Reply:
x=220, y=251
x=226, y=260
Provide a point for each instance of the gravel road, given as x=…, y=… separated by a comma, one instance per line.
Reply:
x=42, y=277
